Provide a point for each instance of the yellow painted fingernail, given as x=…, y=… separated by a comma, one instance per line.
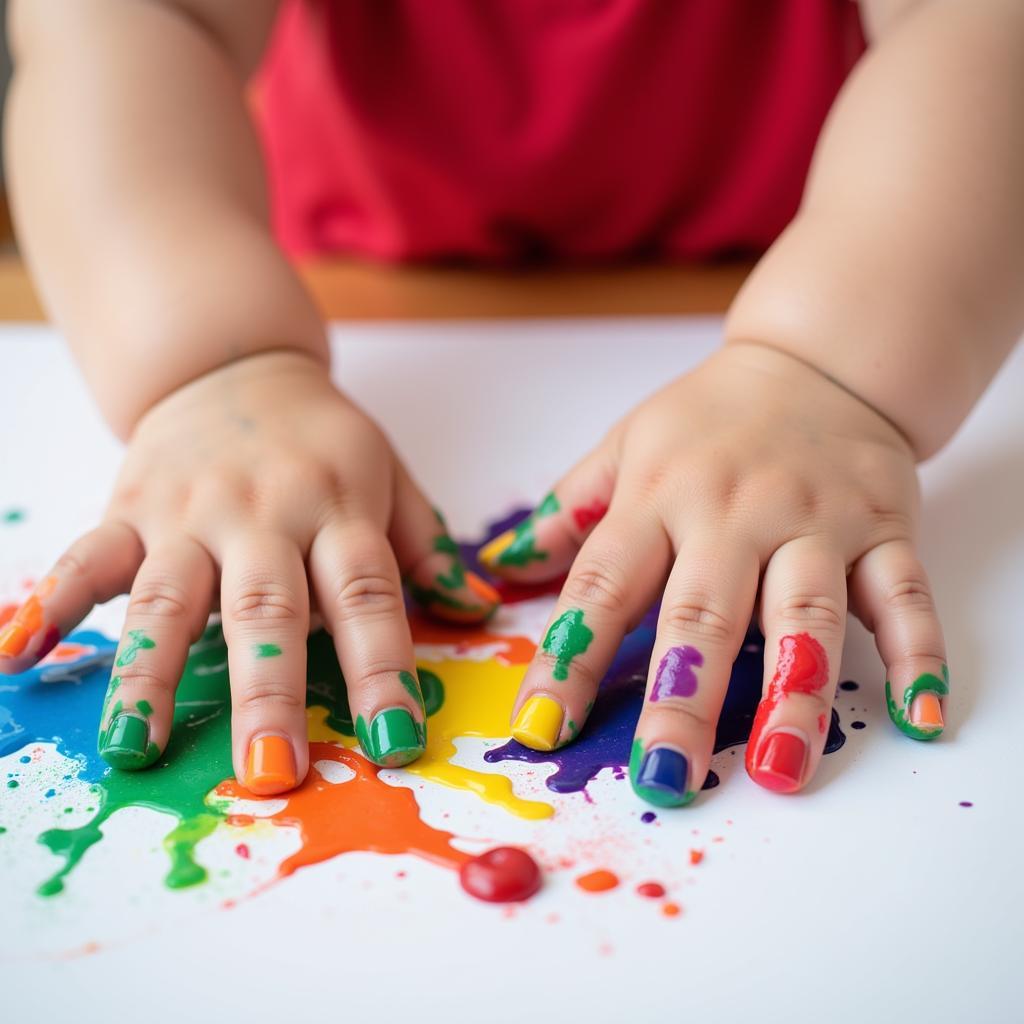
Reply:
x=538, y=723
x=493, y=550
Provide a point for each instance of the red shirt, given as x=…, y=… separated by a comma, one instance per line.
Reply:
x=506, y=130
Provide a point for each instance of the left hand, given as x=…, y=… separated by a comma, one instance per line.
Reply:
x=751, y=484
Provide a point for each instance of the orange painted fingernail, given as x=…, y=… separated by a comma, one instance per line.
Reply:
x=14, y=639
x=30, y=614
x=482, y=588
x=270, y=767
x=926, y=711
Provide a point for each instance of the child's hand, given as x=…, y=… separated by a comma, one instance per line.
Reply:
x=753, y=470
x=262, y=475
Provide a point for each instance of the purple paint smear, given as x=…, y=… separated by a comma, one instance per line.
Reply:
x=675, y=676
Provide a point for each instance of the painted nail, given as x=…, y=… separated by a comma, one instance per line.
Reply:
x=926, y=711
x=270, y=767
x=538, y=723
x=781, y=764
x=491, y=552
x=125, y=743
x=13, y=640
x=660, y=775
x=482, y=589
x=518, y=546
x=392, y=739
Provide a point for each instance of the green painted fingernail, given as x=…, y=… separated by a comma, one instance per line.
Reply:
x=125, y=743
x=392, y=739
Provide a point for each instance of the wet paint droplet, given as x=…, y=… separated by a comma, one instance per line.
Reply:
x=242, y=850
x=648, y=816
x=696, y=856
x=598, y=881
x=966, y=803
x=858, y=725
x=652, y=890
x=849, y=684
x=671, y=909
x=505, y=874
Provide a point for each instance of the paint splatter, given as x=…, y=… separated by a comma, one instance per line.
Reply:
x=601, y=880
x=567, y=637
x=586, y=516
x=266, y=651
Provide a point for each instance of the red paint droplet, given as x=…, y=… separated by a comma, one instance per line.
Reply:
x=598, y=881
x=242, y=850
x=696, y=856
x=503, y=875
x=652, y=890
x=671, y=909
x=399, y=874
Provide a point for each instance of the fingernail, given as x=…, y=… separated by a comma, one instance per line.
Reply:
x=660, y=775
x=482, y=589
x=125, y=744
x=781, y=764
x=926, y=711
x=491, y=552
x=392, y=739
x=13, y=640
x=270, y=767
x=538, y=723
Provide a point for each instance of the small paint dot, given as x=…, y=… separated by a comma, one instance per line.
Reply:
x=13, y=515
x=242, y=850
x=858, y=725
x=50, y=793
x=849, y=684
x=648, y=816
x=598, y=881
x=671, y=909
x=2, y=830
x=966, y=803
x=12, y=783
x=651, y=890
x=25, y=759
x=696, y=856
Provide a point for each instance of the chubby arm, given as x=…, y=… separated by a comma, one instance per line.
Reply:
x=138, y=191
x=901, y=276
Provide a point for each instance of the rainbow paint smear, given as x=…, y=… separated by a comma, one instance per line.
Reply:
x=346, y=803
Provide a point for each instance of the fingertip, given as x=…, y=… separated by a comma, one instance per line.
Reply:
x=661, y=774
x=920, y=715
x=538, y=724
x=270, y=765
x=126, y=742
x=782, y=759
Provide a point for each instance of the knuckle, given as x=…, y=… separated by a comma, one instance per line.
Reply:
x=262, y=694
x=910, y=593
x=133, y=681
x=825, y=613
x=158, y=597
x=72, y=565
x=684, y=715
x=598, y=585
x=260, y=599
x=370, y=591
x=698, y=614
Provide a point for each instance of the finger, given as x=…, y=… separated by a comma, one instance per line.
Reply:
x=544, y=544
x=704, y=615
x=892, y=596
x=97, y=567
x=612, y=583
x=264, y=600
x=169, y=605
x=803, y=613
x=439, y=581
x=359, y=591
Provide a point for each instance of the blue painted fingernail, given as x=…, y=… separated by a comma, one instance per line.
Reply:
x=660, y=775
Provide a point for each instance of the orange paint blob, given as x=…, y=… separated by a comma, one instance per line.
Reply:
x=518, y=650
x=671, y=909
x=361, y=814
x=598, y=881
x=696, y=856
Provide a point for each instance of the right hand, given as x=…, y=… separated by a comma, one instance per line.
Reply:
x=265, y=476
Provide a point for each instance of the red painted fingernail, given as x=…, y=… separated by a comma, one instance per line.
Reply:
x=781, y=764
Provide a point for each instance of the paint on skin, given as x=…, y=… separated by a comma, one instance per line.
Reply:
x=676, y=676
x=137, y=641
x=924, y=683
x=26, y=621
x=567, y=637
x=586, y=516
x=266, y=651
x=802, y=667
x=517, y=546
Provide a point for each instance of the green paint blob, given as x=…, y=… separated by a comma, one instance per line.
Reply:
x=12, y=783
x=456, y=575
x=137, y=641
x=523, y=548
x=926, y=682
x=13, y=515
x=657, y=797
x=567, y=637
x=144, y=707
x=266, y=650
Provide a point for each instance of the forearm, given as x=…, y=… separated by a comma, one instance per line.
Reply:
x=138, y=191
x=902, y=276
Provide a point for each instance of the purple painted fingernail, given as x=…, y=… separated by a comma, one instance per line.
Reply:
x=675, y=676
